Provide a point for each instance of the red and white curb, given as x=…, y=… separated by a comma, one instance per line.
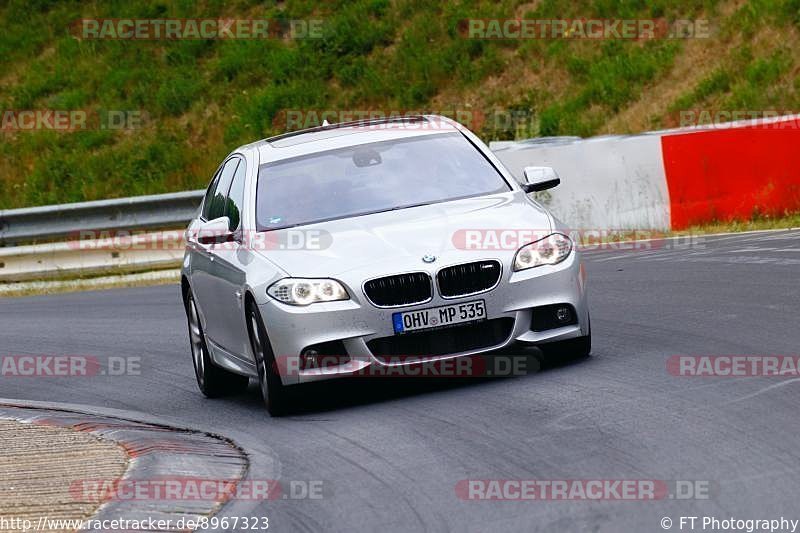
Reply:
x=157, y=453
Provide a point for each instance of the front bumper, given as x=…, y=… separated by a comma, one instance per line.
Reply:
x=355, y=322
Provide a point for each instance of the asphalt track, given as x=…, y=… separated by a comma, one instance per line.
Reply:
x=389, y=455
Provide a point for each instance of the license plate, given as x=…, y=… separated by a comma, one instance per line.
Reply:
x=436, y=317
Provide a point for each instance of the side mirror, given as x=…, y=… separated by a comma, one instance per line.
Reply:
x=214, y=231
x=539, y=179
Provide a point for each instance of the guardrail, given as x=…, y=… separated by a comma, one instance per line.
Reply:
x=78, y=258
x=47, y=223
x=54, y=244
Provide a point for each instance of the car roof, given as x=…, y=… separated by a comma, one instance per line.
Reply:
x=342, y=135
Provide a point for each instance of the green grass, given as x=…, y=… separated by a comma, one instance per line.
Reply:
x=786, y=221
x=200, y=99
x=600, y=88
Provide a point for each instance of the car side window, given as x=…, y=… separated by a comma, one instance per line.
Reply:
x=233, y=208
x=219, y=199
x=210, y=195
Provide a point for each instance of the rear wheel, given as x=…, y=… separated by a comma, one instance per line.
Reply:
x=273, y=391
x=212, y=380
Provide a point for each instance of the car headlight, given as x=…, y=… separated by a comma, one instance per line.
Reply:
x=548, y=251
x=294, y=291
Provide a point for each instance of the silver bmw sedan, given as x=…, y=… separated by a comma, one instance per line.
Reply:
x=372, y=245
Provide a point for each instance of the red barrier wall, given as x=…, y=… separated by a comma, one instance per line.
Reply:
x=730, y=173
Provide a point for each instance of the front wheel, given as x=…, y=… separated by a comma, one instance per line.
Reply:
x=273, y=391
x=212, y=380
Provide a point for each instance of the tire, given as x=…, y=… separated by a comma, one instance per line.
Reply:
x=273, y=391
x=212, y=380
x=568, y=350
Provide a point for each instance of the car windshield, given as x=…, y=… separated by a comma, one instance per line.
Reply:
x=370, y=178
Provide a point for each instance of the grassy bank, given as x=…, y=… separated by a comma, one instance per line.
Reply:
x=195, y=100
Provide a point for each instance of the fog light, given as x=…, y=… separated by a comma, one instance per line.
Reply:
x=563, y=314
x=309, y=358
x=553, y=316
x=322, y=355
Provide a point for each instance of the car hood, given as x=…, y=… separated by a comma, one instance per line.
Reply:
x=396, y=241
